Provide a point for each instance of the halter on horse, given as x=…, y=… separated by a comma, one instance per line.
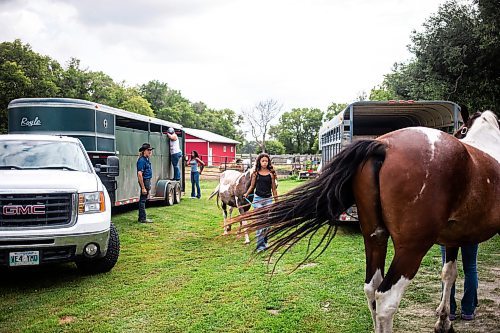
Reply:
x=419, y=186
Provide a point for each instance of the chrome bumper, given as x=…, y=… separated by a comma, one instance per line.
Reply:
x=47, y=242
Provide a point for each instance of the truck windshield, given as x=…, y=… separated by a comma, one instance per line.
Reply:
x=30, y=154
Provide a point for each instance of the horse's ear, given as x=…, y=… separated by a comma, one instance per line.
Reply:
x=464, y=111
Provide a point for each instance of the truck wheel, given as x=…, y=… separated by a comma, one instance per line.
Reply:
x=177, y=193
x=106, y=263
x=169, y=195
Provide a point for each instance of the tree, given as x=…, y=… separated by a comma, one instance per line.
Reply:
x=333, y=110
x=362, y=96
x=168, y=104
x=248, y=147
x=273, y=147
x=381, y=93
x=199, y=107
x=457, y=57
x=138, y=104
x=224, y=122
x=25, y=73
x=92, y=86
x=298, y=130
x=260, y=118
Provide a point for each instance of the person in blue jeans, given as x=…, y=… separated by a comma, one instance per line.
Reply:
x=175, y=152
x=264, y=183
x=469, y=299
x=144, y=175
x=194, y=162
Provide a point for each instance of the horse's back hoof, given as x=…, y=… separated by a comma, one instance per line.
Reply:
x=444, y=328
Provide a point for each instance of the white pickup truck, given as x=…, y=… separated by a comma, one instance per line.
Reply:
x=53, y=205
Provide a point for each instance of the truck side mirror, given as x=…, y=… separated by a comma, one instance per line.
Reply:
x=113, y=164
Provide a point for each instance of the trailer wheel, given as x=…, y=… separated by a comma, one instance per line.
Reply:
x=106, y=263
x=177, y=193
x=169, y=195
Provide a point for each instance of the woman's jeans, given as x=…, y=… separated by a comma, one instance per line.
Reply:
x=175, y=163
x=195, y=181
x=261, y=234
x=143, y=198
x=469, y=261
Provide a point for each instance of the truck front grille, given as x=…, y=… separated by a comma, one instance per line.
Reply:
x=35, y=210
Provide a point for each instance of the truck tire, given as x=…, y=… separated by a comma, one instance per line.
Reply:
x=106, y=263
x=177, y=193
x=169, y=195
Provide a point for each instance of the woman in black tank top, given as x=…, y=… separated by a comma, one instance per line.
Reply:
x=264, y=184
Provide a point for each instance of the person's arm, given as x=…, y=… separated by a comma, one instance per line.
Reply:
x=202, y=164
x=273, y=186
x=141, y=182
x=251, y=188
x=172, y=137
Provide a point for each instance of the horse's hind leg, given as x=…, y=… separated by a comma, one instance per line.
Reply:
x=374, y=232
x=448, y=275
x=375, y=252
x=403, y=268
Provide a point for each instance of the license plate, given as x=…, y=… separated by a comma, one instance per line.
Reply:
x=25, y=258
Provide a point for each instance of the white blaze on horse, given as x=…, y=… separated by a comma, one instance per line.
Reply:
x=232, y=185
x=418, y=186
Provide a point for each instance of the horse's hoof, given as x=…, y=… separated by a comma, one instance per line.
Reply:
x=444, y=326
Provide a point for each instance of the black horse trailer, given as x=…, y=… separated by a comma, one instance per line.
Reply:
x=112, y=138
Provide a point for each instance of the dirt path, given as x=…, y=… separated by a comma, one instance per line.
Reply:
x=421, y=313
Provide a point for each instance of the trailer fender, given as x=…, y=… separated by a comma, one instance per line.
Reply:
x=161, y=187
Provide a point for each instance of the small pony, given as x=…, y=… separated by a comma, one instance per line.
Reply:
x=232, y=185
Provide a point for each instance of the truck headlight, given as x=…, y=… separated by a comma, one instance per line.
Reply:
x=92, y=202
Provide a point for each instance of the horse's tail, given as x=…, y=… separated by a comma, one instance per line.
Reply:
x=319, y=202
x=215, y=192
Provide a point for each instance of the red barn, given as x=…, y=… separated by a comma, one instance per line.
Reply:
x=212, y=148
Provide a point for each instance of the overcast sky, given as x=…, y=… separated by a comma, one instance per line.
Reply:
x=227, y=53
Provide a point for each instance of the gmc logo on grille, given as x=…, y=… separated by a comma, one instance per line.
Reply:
x=23, y=210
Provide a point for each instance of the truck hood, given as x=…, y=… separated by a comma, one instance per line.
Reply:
x=26, y=180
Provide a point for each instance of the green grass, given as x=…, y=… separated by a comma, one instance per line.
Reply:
x=180, y=275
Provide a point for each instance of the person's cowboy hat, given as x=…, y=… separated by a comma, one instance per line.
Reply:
x=145, y=146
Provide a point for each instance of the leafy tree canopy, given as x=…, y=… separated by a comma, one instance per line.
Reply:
x=25, y=73
x=298, y=130
x=333, y=110
x=457, y=57
x=273, y=147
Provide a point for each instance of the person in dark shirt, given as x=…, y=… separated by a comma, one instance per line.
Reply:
x=144, y=175
x=264, y=183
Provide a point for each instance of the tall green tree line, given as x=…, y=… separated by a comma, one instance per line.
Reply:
x=25, y=73
x=456, y=58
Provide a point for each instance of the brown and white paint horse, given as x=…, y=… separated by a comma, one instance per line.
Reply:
x=232, y=185
x=418, y=186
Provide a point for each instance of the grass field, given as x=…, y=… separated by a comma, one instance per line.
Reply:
x=179, y=275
